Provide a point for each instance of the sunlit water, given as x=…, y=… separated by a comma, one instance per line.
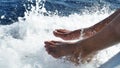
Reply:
x=22, y=43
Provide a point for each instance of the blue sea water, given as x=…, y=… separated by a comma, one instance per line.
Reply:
x=12, y=9
x=26, y=24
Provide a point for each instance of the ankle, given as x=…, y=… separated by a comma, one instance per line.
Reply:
x=85, y=48
x=76, y=34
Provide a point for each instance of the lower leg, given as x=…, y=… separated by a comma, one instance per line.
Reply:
x=104, y=22
x=99, y=26
x=107, y=37
x=87, y=32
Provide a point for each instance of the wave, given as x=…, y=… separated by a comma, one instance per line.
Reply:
x=22, y=43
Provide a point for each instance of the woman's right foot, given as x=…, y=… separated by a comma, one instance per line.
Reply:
x=66, y=34
x=72, y=35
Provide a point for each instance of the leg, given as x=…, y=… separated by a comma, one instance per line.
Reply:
x=88, y=32
x=107, y=37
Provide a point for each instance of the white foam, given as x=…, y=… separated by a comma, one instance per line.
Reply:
x=22, y=43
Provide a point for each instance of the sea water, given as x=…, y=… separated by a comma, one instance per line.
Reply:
x=22, y=43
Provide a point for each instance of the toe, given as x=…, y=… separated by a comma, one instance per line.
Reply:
x=49, y=43
x=61, y=30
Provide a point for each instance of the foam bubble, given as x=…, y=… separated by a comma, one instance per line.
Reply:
x=22, y=43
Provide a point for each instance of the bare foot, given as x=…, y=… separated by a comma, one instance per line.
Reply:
x=71, y=50
x=58, y=49
x=66, y=34
x=72, y=35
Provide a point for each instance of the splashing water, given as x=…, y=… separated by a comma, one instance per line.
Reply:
x=22, y=43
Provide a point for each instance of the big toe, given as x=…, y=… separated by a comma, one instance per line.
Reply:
x=48, y=43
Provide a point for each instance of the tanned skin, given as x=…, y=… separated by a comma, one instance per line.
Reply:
x=105, y=36
x=87, y=32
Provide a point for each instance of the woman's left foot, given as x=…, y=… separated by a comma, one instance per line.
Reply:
x=58, y=49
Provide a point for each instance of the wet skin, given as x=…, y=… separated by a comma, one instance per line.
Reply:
x=107, y=36
x=86, y=32
x=58, y=48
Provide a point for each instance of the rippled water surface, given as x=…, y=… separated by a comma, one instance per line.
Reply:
x=22, y=43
